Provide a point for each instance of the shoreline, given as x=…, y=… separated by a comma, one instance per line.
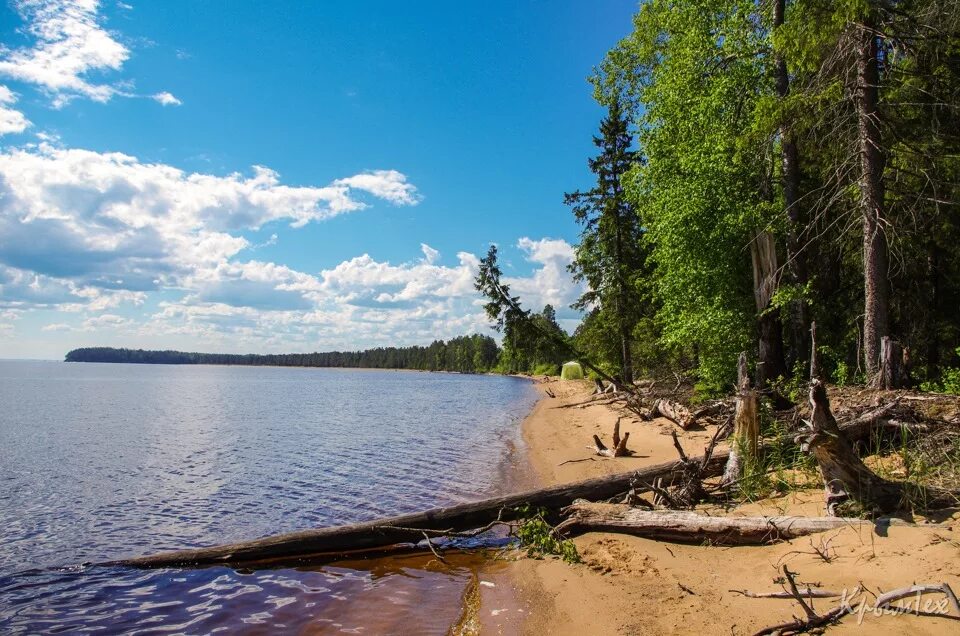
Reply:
x=629, y=585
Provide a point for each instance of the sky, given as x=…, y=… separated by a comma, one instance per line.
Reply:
x=253, y=177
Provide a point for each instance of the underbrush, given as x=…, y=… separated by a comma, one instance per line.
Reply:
x=538, y=537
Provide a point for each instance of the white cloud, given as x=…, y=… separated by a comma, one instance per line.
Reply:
x=430, y=255
x=361, y=302
x=70, y=42
x=70, y=47
x=57, y=326
x=108, y=220
x=167, y=99
x=389, y=185
x=11, y=120
x=551, y=283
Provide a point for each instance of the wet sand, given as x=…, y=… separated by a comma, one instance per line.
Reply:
x=628, y=585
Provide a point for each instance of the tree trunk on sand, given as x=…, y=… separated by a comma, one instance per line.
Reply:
x=846, y=478
x=690, y=527
x=790, y=165
x=875, y=255
x=746, y=428
x=332, y=541
x=673, y=411
x=771, y=365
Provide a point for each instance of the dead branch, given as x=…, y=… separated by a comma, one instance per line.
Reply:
x=619, y=448
x=673, y=411
x=812, y=620
x=683, y=526
x=887, y=598
x=807, y=593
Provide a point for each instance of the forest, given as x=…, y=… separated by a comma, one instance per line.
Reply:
x=466, y=354
x=762, y=168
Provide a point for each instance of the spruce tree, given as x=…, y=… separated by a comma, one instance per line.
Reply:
x=610, y=256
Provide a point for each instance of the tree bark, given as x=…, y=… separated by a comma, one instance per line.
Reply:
x=690, y=527
x=872, y=163
x=790, y=167
x=673, y=411
x=746, y=427
x=771, y=364
x=408, y=528
x=846, y=478
x=891, y=374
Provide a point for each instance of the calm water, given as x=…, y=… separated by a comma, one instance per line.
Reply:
x=102, y=461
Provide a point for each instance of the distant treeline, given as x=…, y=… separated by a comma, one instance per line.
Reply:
x=466, y=354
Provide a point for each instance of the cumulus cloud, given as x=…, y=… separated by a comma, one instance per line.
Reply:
x=361, y=302
x=11, y=120
x=69, y=43
x=108, y=220
x=70, y=46
x=167, y=99
x=550, y=283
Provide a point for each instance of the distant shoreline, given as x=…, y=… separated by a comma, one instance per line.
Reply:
x=465, y=354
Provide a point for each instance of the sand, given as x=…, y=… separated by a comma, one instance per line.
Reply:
x=629, y=585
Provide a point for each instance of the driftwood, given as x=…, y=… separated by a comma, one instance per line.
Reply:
x=849, y=604
x=684, y=526
x=915, y=591
x=673, y=411
x=746, y=427
x=600, y=389
x=806, y=593
x=689, y=489
x=619, y=448
x=811, y=620
x=846, y=478
x=409, y=528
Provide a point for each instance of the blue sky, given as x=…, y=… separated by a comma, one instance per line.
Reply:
x=286, y=176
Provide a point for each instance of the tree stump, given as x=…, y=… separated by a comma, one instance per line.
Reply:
x=845, y=477
x=746, y=427
x=891, y=374
x=619, y=448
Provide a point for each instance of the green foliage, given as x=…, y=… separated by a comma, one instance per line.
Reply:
x=698, y=189
x=529, y=339
x=611, y=256
x=949, y=381
x=546, y=368
x=710, y=123
x=464, y=354
x=841, y=374
x=795, y=387
x=538, y=537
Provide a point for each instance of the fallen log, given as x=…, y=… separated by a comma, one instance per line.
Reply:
x=673, y=411
x=684, y=526
x=846, y=478
x=409, y=528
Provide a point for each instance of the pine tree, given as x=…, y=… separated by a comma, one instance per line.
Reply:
x=610, y=256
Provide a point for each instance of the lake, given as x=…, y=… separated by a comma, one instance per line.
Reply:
x=104, y=461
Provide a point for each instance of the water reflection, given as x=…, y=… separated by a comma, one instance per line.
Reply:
x=104, y=461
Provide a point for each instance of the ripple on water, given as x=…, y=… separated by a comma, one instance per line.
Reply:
x=103, y=461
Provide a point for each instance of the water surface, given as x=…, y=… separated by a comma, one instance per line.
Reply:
x=102, y=461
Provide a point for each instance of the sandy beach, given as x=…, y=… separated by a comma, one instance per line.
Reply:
x=629, y=585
